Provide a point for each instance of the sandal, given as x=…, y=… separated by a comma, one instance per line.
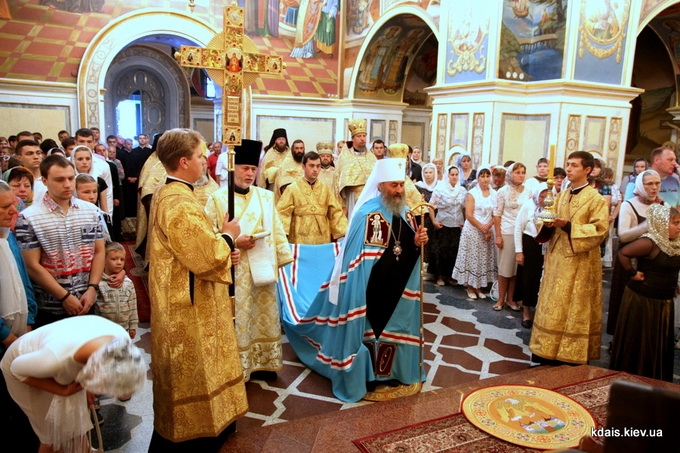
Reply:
x=515, y=307
x=497, y=307
x=472, y=296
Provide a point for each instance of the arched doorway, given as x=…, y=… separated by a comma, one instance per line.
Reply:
x=395, y=65
x=152, y=86
x=151, y=26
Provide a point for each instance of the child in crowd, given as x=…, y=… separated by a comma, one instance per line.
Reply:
x=117, y=304
x=86, y=189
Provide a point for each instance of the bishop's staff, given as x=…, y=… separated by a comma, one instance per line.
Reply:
x=233, y=62
x=421, y=209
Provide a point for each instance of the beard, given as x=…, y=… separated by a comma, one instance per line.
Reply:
x=393, y=204
x=280, y=148
x=202, y=181
x=297, y=157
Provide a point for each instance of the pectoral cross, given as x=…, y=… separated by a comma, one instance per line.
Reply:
x=233, y=62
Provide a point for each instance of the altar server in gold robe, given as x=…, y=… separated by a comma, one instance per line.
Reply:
x=264, y=248
x=198, y=383
x=309, y=210
x=568, y=323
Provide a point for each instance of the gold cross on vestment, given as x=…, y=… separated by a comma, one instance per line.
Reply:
x=232, y=61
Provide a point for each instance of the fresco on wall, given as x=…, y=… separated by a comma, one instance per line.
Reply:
x=467, y=44
x=602, y=40
x=532, y=39
x=45, y=39
x=388, y=57
x=647, y=6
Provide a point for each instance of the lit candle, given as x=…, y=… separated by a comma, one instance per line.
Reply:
x=551, y=162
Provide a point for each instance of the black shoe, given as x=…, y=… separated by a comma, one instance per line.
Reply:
x=527, y=323
x=262, y=375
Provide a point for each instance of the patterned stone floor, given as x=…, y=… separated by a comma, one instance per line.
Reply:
x=465, y=340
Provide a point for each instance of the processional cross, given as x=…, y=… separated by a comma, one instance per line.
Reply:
x=232, y=61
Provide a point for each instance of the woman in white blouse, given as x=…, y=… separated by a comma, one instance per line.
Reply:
x=449, y=200
x=510, y=198
x=529, y=253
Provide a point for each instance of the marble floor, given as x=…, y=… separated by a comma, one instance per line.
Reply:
x=466, y=341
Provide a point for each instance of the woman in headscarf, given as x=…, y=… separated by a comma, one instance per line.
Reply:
x=511, y=197
x=449, y=200
x=632, y=225
x=644, y=337
x=476, y=263
x=17, y=313
x=628, y=182
x=82, y=158
x=467, y=173
x=426, y=187
x=529, y=253
x=53, y=372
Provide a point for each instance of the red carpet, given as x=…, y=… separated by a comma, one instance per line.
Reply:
x=455, y=434
x=134, y=267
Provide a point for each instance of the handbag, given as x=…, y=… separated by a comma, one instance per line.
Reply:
x=493, y=293
x=97, y=429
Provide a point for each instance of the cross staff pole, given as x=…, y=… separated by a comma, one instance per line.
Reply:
x=233, y=62
x=423, y=208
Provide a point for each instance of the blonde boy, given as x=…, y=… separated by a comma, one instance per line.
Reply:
x=117, y=304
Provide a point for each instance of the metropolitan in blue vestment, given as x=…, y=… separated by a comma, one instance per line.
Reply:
x=370, y=332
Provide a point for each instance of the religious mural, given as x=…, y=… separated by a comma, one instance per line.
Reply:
x=467, y=44
x=383, y=69
x=602, y=40
x=532, y=39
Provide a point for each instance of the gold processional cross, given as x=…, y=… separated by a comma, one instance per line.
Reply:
x=232, y=61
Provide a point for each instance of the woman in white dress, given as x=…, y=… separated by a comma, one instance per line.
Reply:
x=476, y=264
x=511, y=197
x=48, y=369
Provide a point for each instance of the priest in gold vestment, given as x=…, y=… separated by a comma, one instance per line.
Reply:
x=275, y=152
x=264, y=248
x=568, y=323
x=198, y=383
x=354, y=165
x=327, y=173
x=309, y=210
x=290, y=169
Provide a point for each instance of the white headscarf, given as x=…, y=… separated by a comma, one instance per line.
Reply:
x=422, y=184
x=73, y=159
x=13, y=307
x=640, y=190
x=508, y=175
x=445, y=188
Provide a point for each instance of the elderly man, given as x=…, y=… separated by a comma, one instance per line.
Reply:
x=354, y=165
x=264, y=248
x=374, y=289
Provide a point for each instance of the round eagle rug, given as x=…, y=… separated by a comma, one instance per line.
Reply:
x=529, y=416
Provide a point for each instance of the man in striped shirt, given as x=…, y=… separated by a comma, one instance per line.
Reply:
x=62, y=243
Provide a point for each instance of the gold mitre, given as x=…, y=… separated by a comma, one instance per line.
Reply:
x=397, y=150
x=325, y=147
x=357, y=126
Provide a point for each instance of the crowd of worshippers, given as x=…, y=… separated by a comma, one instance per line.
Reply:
x=66, y=206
